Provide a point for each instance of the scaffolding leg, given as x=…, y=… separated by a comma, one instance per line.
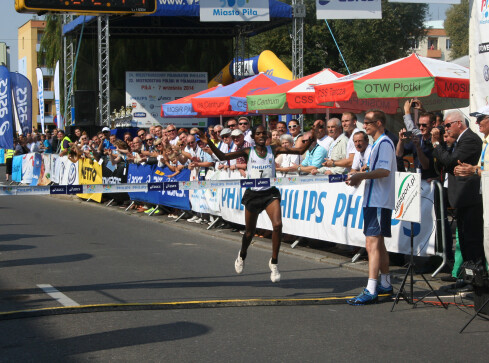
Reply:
x=214, y=222
x=359, y=254
x=110, y=202
x=296, y=242
x=154, y=210
x=180, y=216
x=129, y=207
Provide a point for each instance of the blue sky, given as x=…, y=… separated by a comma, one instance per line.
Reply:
x=10, y=21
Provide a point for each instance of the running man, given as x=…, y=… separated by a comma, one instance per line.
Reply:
x=378, y=203
x=260, y=164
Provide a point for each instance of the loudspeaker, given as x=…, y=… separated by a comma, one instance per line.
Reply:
x=481, y=295
x=85, y=105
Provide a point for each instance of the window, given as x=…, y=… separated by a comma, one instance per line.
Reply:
x=414, y=43
x=432, y=43
x=448, y=44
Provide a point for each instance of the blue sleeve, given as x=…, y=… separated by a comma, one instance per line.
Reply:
x=307, y=159
x=318, y=157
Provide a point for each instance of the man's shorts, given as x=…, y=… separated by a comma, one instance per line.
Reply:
x=377, y=221
x=256, y=201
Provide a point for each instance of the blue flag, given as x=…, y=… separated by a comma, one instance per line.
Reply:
x=22, y=88
x=6, y=124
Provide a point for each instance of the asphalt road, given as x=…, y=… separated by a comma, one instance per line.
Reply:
x=97, y=255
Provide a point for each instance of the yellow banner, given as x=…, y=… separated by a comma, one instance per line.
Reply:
x=90, y=172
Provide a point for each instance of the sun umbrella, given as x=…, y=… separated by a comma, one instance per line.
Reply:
x=232, y=98
x=182, y=107
x=294, y=97
x=441, y=84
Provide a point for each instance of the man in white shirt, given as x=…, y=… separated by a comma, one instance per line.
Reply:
x=337, y=148
x=349, y=123
x=244, y=126
x=325, y=140
x=378, y=203
x=362, y=152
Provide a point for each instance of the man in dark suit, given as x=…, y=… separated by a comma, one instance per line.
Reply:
x=463, y=191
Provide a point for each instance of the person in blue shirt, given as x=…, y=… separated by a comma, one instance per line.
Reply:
x=316, y=154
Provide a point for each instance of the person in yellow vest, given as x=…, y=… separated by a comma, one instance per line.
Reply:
x=64, y=144
x=9, y=154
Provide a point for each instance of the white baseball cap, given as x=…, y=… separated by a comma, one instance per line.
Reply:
x=483, y=111
x=236, y=132
x=105, y=129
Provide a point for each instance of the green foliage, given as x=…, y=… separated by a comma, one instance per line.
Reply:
x=364, y=43
x=457, y=28
x=51, y=48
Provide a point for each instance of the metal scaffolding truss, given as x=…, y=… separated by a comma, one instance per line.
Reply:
x=103, y=69
x=239, y=69
x=298, y=15
x=68, y=62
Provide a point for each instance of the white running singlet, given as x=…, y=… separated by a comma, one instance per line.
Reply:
x=258, y=167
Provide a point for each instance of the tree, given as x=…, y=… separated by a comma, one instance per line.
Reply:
x=51, y=48
x=364, y=43
x=457, y=28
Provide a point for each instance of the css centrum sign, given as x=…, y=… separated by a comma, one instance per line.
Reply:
x=408, y=197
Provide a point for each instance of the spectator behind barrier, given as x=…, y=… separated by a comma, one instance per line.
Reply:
x=239, y=144
x=317, y=153
x=289, y=162
x=362, y=152
x=245, y=127
x=295, y=132
x=281, y=128
x=337, y=149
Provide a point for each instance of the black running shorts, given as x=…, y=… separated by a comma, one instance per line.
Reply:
x=256, y=201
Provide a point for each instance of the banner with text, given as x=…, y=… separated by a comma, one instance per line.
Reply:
x=90, y=172
x=234, y=10
x=146, y=91
x=333, y=212
x=341, y=9
x=479, y=54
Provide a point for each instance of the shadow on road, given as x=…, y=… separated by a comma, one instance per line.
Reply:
x=17, y=236
x=46, y=260
x=7, y=248
x=26, y=349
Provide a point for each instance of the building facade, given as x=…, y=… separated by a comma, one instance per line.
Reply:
x=4, y=55
x=436, y=44
x=29, y=38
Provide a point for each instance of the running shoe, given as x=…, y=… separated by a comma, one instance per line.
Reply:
x=158, y=211
x=384, y=290
x=193, y=219
x=239, y=264
x=149, y=210
x=275, y=275
x=364, y=298
x=198, y=220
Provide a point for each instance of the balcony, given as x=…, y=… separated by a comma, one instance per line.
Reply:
x=434, y=53
x=48, y=95
x=47, y=119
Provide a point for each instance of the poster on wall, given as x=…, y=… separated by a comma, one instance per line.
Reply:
x=147, y=91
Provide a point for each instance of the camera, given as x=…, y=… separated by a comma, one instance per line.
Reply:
x=414, y=104
x=407, y=134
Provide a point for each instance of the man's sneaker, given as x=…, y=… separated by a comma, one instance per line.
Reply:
x=364, y=298
x=239, y=264
x=198, y=220
x=275, y=275
x=149, y=210
x=384, y=290
x=193, y=219
x=158, y=211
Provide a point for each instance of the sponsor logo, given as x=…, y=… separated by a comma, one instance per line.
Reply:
x=483, y=48
x=186, y=184
x=247, y=183
x=155, y=187
x=59, y=189
x=90, y=188
x=265, y=182
x=107, y=187
x=337, y=178
x=485, y=72
x=74, y=189
x=163, y=98
x=202, y=184
x=139, y=114
x=4, y=128
x=72, y=174
x=405, y=196
x=171, y=186
x=484, y=12
x=323, y=2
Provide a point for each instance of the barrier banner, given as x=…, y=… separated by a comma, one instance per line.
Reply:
x=333, y=212
x=152, y=174
x=59, y=119
x=115, y=174
x=6, y=116
x=27, y=168
x=22, y=90
x=36, y=169
x=40, y=94
x=90, y=172
x=2, y=156
x=47, y=168
x=17, y=168
x=70, y=175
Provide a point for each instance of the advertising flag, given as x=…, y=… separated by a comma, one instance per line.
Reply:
x=59, y=123
x=6, y=120
x=22, y=91
x=479, y=54
x=341, y=9
x=40, y=93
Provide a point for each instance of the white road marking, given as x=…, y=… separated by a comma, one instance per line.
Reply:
x=58, y=296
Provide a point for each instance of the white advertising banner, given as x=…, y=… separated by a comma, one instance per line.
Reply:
x=485, y=201
x=333, y=212
x=234, y=10
x=479, y=54
x=147, y=91
x=59, y=121
x=27, y=168
x=408, y=197
x=40, y=96
x=342, y=9
x=452, y=2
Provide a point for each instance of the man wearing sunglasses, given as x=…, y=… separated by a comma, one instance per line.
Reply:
x=463, y=191
x=244, y=126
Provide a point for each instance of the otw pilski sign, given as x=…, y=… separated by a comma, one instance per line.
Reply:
x=408, y=197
